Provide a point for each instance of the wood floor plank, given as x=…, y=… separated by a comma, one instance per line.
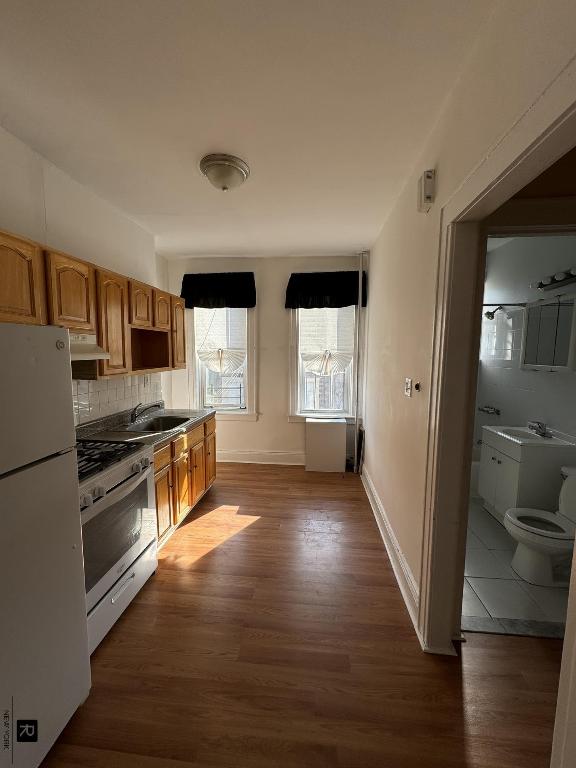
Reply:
x=274, y=636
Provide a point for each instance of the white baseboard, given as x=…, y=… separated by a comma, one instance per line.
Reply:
x=404, y=576
x=262, y=457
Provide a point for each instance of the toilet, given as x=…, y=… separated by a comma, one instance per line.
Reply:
x=545, y=539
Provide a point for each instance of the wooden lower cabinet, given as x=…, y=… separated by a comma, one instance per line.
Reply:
x=197, y=472
x=210, y=459
x=163, y=485
x=184, y=470
x=182, y=504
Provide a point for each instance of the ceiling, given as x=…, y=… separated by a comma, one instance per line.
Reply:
x=329, y=101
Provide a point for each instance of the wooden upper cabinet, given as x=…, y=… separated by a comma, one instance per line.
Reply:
x=22, y=281
x=161, y=310
x=140, y=305
x=178, y=333
x=113, y=321
x=71, y=292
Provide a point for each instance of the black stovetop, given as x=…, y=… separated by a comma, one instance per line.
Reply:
x=96, y=456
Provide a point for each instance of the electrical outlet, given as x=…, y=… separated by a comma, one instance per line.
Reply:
x=408, y=387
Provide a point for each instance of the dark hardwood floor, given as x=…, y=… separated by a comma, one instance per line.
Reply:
x=274, y=636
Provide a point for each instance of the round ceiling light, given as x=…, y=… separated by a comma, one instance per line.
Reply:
x=224, y=171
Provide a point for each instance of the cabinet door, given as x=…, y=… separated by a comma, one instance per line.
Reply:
x=508, y=473
x=210, y=459
x=140, y=305
x=181, y=470
x=487, y=474
x=178, y=333
x=163, y=484
x=22, y=286
x=198, y=472
x=71, y=292
x=162, y=310
x=113, y=322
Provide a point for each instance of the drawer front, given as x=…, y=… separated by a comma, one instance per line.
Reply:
x=195, y=435
x=162, y=458
x=210, y=426
x=179, y=446
x=103, y=617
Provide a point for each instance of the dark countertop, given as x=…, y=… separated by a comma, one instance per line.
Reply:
x=156, y=439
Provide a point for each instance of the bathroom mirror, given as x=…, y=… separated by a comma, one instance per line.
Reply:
x=549, y=334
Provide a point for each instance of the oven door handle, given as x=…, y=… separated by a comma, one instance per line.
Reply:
x=116, y=495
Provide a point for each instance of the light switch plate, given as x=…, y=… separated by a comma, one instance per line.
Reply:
x=408, y=387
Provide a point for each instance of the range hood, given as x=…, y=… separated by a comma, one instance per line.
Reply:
x=84, y=347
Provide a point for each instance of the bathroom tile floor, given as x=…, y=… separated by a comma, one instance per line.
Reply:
x=495, y=598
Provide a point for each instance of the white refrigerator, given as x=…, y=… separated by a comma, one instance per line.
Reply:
x=44, y=660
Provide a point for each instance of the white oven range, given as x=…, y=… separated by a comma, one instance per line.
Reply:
x=119, y=528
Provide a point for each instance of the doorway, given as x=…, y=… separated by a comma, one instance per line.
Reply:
x=520, y=532
x=518, y=159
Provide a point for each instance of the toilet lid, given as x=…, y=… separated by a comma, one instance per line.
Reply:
x=550, y=525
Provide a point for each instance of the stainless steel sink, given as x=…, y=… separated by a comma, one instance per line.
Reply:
x=158, y=424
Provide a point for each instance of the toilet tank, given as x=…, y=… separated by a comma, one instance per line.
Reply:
x=567, y=502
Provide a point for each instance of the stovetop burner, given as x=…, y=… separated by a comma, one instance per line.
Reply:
x=95, y=456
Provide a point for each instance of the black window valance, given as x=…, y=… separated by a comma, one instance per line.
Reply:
x=213, y=290
x=312, y=290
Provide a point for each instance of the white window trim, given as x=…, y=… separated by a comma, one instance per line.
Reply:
x=250, y=413
x=294, y=415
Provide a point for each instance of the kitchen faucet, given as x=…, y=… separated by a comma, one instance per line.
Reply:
x=539, y=428
x=135, y=412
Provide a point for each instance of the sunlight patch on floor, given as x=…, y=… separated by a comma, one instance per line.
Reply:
x=205, y=533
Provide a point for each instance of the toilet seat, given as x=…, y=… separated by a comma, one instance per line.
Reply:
x=548, y=525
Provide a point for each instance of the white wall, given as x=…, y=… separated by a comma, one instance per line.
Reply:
x=40, y=202
x=523, y=395
x=524, y=47
x=272, y=438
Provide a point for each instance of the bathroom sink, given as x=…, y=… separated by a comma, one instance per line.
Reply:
x=158, y=424
x=525, y=435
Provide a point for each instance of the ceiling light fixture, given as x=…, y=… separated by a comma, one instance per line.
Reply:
x=224, y=171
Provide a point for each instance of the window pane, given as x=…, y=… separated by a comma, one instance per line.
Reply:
x=326, y=352
x=220, y=338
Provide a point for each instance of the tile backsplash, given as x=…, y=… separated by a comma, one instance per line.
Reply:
x=95, y=399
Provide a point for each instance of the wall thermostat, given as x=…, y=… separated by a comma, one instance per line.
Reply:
x=426, y=190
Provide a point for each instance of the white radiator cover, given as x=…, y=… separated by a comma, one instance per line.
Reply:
x=326, y=445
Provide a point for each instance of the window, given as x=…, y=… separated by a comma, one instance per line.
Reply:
x=324, y=363
x=221, y=351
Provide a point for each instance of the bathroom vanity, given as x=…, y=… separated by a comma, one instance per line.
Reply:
x=518, y=468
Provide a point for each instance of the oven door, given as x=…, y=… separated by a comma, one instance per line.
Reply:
x=116, y=529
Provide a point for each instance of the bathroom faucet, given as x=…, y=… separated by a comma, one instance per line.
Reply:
x=539, y=428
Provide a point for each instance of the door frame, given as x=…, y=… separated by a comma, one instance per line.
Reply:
x=541, y=136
